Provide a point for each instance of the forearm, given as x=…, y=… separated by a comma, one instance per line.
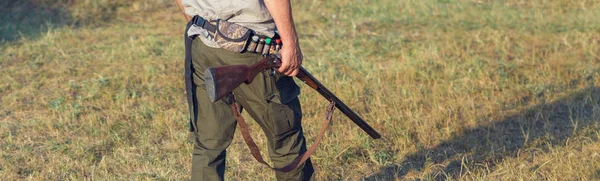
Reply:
x=281, y=11
x=187, y=17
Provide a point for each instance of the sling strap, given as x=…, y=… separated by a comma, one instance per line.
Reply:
x=189, y=82
x=254, y=150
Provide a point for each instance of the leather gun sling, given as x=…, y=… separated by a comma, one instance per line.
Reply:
x=254, y=150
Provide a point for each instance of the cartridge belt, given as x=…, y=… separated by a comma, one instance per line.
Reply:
x=264, y=46
x=233, y=37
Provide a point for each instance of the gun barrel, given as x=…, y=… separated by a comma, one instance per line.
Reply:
x=311, y=81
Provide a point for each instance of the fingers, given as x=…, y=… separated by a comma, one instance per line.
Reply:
x=295, y=66
x=290, y=61
x=294, y=73
x=290, y=68
x=290, y=71
x=285, y=66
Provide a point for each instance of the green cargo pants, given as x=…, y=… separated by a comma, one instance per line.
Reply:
x=272, y=100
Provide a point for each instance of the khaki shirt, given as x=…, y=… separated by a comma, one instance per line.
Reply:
x=252, y=14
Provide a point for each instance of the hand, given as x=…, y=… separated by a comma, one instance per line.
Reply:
x=291, y=59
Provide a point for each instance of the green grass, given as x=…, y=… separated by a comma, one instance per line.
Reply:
x=465, y=90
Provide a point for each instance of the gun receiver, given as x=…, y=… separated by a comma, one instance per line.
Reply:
x=222, y=80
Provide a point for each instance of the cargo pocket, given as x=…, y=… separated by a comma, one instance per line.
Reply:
x=284, y=107
x=283, y=118
x=281, y=89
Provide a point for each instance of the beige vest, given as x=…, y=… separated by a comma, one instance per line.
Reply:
x=252, y=14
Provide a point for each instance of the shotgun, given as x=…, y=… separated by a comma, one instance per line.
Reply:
x=220, y=81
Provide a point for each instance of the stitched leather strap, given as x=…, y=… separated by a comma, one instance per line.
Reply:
x=254, y=150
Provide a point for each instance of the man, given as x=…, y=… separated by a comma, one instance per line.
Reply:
x=271, y=99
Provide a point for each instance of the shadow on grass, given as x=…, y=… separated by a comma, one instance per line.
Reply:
x=28, y=18
x=539, y=127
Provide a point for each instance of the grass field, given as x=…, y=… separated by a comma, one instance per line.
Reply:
x=460, y=89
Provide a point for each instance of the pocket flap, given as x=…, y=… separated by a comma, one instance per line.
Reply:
x=288, y=90
x=232, y=32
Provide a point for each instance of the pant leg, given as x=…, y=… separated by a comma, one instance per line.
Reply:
x=270, y=100
x=273, y=103
x=214, y=123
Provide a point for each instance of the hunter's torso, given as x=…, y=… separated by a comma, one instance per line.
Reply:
x=249, y=13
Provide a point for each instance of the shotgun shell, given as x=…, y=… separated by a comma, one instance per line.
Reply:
x=261, y=44
x=253, y=44
x=267, y=47
x=277, y=45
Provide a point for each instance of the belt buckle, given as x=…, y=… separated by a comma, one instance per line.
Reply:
x=199, y=21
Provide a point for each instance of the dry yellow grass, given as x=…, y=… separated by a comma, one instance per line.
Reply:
x=464, y=90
